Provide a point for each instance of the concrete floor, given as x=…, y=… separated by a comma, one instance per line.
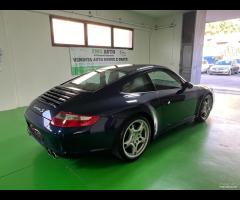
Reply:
x=195, y=156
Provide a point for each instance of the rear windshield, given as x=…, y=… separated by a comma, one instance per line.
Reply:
x=224, y=62
x=97, y=79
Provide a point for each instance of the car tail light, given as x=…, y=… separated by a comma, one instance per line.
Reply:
x=67, y=119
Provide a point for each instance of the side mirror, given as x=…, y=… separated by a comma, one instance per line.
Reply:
x=187, y=85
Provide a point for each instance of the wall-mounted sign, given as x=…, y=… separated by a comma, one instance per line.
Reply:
x=86, y=59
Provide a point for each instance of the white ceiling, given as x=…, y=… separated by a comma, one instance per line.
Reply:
x=158, y=13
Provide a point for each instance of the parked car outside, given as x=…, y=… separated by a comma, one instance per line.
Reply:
x=205, y=66
x=225, y=66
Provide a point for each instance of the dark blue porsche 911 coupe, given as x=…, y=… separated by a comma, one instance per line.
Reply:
x=121, y=108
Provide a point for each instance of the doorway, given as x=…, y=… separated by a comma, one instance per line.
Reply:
x=220, y=67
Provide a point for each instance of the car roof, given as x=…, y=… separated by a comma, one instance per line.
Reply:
x=130, y=68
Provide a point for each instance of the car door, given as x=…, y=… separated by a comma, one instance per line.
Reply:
x=174, y=104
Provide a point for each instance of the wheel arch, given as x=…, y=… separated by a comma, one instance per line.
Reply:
x=146, y=111
x=150, y=120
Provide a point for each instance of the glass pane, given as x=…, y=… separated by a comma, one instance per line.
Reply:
x=99, y=35
x=163, y=80
x=95, y=80
x=139, y=84
x=68, y=32
x=122, y=38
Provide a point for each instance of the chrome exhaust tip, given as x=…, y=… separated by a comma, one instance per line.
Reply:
x=49, y=152
x=52, y=154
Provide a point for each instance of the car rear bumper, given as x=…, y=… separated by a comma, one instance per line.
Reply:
x=68, y=141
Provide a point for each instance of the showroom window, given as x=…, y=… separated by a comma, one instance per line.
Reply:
x=122, y=37
x=68, y=32
x=74, y=32
x=98, y=35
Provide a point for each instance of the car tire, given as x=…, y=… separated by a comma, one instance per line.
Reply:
x=131, y=142
x=204, y=108
x=208, y=72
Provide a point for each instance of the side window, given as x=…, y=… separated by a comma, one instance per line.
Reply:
x=112, y=76
x=138, y=84
x=163, y=80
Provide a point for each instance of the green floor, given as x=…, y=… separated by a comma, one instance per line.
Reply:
x=196, y=156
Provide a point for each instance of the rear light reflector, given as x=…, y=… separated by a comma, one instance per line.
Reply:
x=68, y=119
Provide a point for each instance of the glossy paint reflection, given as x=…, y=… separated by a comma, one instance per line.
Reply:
x=46, y=122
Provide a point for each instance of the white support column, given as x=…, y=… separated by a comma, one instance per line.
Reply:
x=198, y=46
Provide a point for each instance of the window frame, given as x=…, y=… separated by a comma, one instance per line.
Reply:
x=85, y=22
x=65, y=19
x=96, y=23
x=124, y=28
x=145, y=73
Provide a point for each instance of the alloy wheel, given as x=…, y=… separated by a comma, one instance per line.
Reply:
x=206, y=107
x=136, y=138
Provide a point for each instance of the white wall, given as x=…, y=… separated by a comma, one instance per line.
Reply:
x=7, y=79
x=37, y=65
x=166, y=42
x=31, y=65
